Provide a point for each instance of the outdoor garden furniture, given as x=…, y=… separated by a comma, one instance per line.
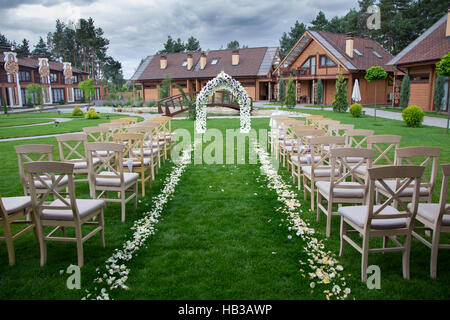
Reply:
x=338, y=190
x=357, y=138
x=72, y=149
x=311, y=120
x=95, y=134
x=112, y=129
x=152, y=140
x=286, y=143
x=320, y=170
x=36, y=152
x=12, y=210
x=371, y=221
x=123, y=121
x=148, y=150
x=434, y=217
x=63, y=209
x=423, y=156
x=109, y=175
x=276, y=132
x=339, y=129
x=301, y=156
x=133, y=157
x=325, y=124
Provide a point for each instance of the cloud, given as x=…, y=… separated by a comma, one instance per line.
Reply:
x=138, y=28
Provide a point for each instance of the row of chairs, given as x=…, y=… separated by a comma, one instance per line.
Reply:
x=113, y=163
x=341, y=165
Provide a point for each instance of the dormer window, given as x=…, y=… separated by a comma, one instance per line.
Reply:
x=184, y=64
x=357, y=52
x=376, y=54
x=214, y=61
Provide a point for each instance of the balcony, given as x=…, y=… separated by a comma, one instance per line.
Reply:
x=4, y=78
x=296, y=73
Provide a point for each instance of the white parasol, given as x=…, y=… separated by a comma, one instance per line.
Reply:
x=356, y=94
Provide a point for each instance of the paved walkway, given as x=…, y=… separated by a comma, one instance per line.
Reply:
x=428, y=121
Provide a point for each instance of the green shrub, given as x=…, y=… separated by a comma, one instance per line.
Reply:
x=77, y=112
x=91, y=114
x=413, y=116
x=356, y=110
x=290, y=100
x=340, y=102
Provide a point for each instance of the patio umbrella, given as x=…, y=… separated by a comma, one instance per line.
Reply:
x=356, y=94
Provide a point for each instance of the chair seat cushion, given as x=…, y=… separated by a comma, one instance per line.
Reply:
x=324, y=188
x=319, y=172
x=304, y=159
x=430, y=211
x=147, y=152
x=137, y=163
x=408, y=192
x=85, y=208
x=154, y=144
x=353, y=159
x=128, y=177
x=358, y=215
x=15, y=204
x=82, y=164
x=39, y=185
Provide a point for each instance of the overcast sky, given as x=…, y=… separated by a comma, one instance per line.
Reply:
x=138, y=28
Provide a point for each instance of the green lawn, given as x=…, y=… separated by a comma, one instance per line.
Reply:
x=218, y=238
x=20, y=122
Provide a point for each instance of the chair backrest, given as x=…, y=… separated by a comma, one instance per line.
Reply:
x=423, y=156
x=406, y=176
x=339, y=129
x=95, y=134
x=318, y=144
x=338, y=158
x=29, y=153
x=168, y=121
x=112, y=162
x=54, y=172
x=132, y=142
x=385, y=146
x=123, y=121
x=112, y=129
x=444, y=190
x=310, y=120
x=325, y=123
x=72, y=147
x=357, y=138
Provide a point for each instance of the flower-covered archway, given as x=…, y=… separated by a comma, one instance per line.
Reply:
x=222, y=82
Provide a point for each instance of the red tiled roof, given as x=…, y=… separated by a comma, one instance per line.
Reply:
x=250, y=60
x=432, y=47
x=34, y=63
x=363, y=45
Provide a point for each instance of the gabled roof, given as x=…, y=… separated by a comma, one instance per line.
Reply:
x=34, y=63
x=252, y=62
x=334, y=43
x=430, y=46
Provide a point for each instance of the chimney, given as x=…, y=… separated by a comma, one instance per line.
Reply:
x=190, y=61
x=235, y=58
x=447, y=32
x=349, y=44
x=163, y=62
x=202, y=61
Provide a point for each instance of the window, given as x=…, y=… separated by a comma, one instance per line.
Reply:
x=248, y=84
x=53, y=77
x=58, y=95
x=29, y=97
x=184, y=64
x=357, y=52
x=183, y=85
x=149, y=86
x=78, y=93
x=420, y=77
x=376, y=54
x=325, y=61
x=214, y=61
x=74, y=79
x=306, y=64
x=24, y=76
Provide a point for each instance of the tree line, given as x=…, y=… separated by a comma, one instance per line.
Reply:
x=83, y=45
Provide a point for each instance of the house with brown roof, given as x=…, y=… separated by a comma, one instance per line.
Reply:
x=252, y=67
x=59, y=81
x=325, y=55
x=419, y=60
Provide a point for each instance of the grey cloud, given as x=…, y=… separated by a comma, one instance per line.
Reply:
x=8, y=4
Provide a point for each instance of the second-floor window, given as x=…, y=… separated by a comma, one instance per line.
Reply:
x=310, y=64
x=74, y=79
x=325, y=61
x=24, y=76
x=53, y=77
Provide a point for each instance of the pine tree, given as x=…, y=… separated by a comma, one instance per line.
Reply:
x=287, y=41
x=290, y=100
x=40, y=49
x=438, y=95
x=25, y=49
x=4, y=41
x=192, y=44
x=281, y=91
x=320, y=22
x=233, y=44
x=319, y=92
x=404, y=92
x=340, y=102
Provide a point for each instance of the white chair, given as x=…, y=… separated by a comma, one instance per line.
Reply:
x=434, y=217
x=63, y=210
x=371, y=221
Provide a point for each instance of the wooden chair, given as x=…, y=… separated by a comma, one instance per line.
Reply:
x=109, y=175
x=13, y=209
x=152, y=141
x=72, y=149
x=286, y=142
x=276, y=133
x=170, y=136
x=325, y=124
x=149, y=151
x=162, y=135
x=301, y=156
x=338, y=190
x=357, y=138
x=384, y=146
x=35, y=152
x=111, y=129
x=372, y=221
x=95, y=134
x=133, y=157
x=423, y=156
x=63, y=210
x=339, y=129
x=312, y=120
x=320, y=170
x=434, y=217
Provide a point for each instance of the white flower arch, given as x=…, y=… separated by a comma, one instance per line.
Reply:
x=222, y=82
